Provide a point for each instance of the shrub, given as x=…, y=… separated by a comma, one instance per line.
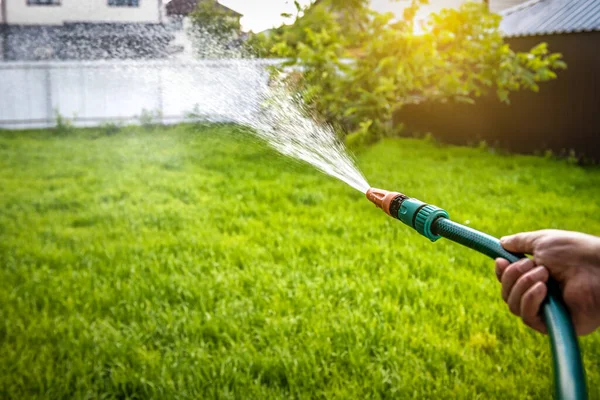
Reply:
x=110, y=128
x=460, y=57
x=149, y=120
x=63, y=126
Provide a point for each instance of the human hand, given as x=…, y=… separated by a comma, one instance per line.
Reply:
x=570, y=258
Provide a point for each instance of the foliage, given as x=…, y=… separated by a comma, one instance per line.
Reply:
x=348, y=19
x=110, y=128
x=199, y=264
x=214, y=29
x=321, y=60
x=149, y=119
x=216, y=20
x=259, y=45
x=63, y=126
x=460, y=56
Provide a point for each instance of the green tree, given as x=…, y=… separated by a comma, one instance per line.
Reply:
x=348, y=19
x=214, y=29
x=460, y=56
x=259, y=45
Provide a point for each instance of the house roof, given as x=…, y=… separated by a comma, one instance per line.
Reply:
x=547, y=17
x=185, y=7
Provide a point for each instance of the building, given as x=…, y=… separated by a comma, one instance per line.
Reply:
x=83, y=29
x=177, y=15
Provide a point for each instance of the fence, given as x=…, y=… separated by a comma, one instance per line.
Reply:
x=92, y=93
x=563, y=117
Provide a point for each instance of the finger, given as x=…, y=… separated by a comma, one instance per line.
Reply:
x=530, y=307
x=523, y=284
x=501, y=265
x=522, y=242
x=514, y=272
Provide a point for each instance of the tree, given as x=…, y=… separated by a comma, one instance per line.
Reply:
x=347, y=18
x=460, y=57
x=215, y=29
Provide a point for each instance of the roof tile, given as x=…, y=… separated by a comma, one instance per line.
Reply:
x=545, y=17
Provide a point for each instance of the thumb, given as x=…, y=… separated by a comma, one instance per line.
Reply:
x=521, y=242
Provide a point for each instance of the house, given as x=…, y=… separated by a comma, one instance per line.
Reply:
x=177, y=16
x=83, y=29
x=563, y=117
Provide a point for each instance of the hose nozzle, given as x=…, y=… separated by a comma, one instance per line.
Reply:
x=383, y=199
x=412, y=212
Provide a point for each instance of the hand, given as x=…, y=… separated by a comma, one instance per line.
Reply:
x=572, y=259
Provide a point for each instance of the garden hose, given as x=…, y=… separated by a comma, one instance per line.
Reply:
x=434, y=223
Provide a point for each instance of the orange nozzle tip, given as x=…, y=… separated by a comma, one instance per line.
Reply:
x=382, y=198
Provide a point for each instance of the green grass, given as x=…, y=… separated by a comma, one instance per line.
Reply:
x=196, y=263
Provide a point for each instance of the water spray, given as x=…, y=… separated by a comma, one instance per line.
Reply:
x=434, y=223
x=281, y=119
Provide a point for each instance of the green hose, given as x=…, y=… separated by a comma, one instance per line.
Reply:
x=434, y=223
x=569, y=374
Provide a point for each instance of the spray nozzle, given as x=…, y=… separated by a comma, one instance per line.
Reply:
x=412, y=212
x=383, y=198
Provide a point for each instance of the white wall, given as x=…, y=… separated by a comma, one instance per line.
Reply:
x=92, y=93
x=18, y=12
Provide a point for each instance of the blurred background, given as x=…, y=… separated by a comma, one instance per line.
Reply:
x=72, y=58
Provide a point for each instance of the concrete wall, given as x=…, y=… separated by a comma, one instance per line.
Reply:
x=19, y=13
x=92, y=93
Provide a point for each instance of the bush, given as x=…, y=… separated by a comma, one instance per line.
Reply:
x=460, y=57
x=63, y=126
x=110, y=128
x=149, y=120
x=215, y=32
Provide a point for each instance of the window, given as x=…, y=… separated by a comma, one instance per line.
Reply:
x=43, y=2
x=124, y=3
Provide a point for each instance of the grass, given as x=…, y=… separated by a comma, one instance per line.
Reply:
x=195, y=263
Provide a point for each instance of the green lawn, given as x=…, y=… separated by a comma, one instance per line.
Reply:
x=195, y=263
